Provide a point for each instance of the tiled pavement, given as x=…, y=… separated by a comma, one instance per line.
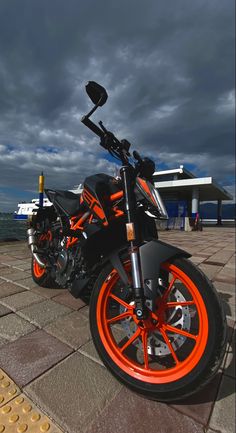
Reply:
x=46, y=349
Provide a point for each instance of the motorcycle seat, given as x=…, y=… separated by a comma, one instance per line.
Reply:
x=66, y=201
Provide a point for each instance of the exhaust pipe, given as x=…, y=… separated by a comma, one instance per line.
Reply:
x=33, y=247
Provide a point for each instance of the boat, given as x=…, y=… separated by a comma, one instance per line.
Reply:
x=26, y=210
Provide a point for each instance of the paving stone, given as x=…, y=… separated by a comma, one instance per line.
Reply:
x=72, y=329
x=210, y=270
x=11, y=274
x=4, y=272
x=67, y=299
x=32, y=355
x=12, y=327
x=230, y=248
x=48, y=293
x=228, y=297
x=224, y=287
x=7, y=289
x=199, y=406
x=220, y=244
x=231, y=262
x=226, y=274
x=130, y=413
x=28, y=283
x=3, y=341
x=197, y=259
x=6, y=259
x=209, y=430
x=89, y=350
x=4, y=310
x=44, y=312
x=224, y=279
x=221, y=256
x=85, y=311
x=23, y=266
x=223, y=416
x=229, y=367
x=211, y=250
x=200, y=254
x=73, y=392
x=228, y=305
x=211, y=262
x=21, y=300
x=12, y=262
x=230, y=330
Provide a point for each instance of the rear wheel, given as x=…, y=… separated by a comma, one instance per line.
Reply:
x=174, y=352
x=42, y=276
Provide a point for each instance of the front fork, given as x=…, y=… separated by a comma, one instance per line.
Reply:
x=128, y=179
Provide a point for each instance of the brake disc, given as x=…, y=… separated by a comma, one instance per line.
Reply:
x=177, y=317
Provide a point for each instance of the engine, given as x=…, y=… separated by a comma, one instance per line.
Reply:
x=65, y=267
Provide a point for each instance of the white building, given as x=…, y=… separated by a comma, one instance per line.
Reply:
x=179, y=187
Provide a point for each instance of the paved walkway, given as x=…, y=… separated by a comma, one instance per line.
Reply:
x=52, y=378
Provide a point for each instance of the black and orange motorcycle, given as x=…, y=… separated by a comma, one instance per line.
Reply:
x=155, y=318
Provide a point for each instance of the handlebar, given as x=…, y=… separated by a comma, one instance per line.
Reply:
x=119, y=149
x=87, y=122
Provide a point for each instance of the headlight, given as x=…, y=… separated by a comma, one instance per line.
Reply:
x=152, y=196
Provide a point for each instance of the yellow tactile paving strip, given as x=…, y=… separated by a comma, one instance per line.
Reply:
x=18, y=414
x=8, y=389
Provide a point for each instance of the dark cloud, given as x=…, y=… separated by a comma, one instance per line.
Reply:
x=168, y=68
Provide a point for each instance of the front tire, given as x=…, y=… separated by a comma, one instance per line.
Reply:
x=173, y=353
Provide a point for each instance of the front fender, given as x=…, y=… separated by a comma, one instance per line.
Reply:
x=155, y=252
x=152, y=255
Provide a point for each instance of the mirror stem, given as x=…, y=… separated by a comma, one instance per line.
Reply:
x=93, y=109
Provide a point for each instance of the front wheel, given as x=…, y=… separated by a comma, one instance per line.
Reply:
x=177, y=349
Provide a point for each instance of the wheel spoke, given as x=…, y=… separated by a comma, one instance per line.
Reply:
x=179, y=331
x=145, y=349
x=131, y=340
x=168, y=290
x=119, y=317
x=179, y=304
x=120, y=301
x=167, y=341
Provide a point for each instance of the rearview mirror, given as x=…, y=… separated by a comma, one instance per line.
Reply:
x=97, y=93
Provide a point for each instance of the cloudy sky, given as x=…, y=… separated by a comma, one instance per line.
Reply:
x=168, y=67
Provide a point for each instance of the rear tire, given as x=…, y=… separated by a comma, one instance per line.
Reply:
x=153, y=360
x=41, y=276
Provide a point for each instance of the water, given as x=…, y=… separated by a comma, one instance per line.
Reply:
x=12, y=229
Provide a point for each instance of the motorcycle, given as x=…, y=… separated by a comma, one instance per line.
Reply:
x=156, y=320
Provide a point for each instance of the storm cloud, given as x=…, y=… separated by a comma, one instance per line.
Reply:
x=168, y=68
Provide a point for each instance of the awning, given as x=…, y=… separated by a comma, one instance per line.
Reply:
x=181, y=189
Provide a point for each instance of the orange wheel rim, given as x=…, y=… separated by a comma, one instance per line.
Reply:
x=179, y=361
x=38, y=270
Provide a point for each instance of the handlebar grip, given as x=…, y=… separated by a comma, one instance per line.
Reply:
x=87, y=122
